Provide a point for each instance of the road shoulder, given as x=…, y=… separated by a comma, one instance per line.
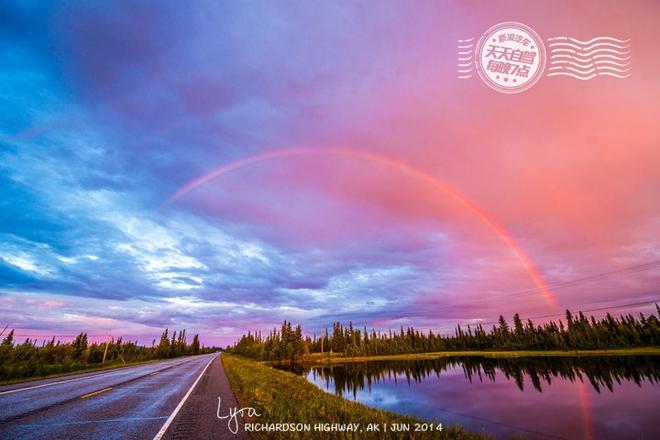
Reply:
x=198, y=419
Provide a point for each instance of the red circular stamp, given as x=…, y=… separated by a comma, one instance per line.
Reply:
x=510, y=57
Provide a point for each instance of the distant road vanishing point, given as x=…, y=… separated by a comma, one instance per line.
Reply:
x=168, y=399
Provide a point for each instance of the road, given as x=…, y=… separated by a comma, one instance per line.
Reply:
x=172, y=399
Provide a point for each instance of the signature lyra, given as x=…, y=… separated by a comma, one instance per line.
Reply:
x=232, y=417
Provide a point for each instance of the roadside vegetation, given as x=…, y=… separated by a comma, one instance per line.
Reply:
x=283, y=397
x=575, y=333
x=30, y=359
x=336, y=358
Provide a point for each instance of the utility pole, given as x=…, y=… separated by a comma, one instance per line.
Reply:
x=322, y=341
x=105, y=352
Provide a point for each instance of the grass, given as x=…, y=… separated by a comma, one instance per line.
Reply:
x=109, y=366
x=282, y=397
x=326, y=358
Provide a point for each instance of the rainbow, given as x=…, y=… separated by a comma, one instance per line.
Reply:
x=419, y=173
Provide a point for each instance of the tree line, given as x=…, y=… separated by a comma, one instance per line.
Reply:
x=31, y=359
x=577, y=332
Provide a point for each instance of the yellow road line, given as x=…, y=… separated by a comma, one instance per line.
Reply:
x=95, y=393
x=154, y=373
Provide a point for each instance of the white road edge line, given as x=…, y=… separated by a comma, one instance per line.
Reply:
x=169, y=421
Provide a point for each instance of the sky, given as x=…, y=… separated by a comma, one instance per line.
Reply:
x=353, y=177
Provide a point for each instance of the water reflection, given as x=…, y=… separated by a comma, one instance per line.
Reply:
x=600, y=372
x=553, y=397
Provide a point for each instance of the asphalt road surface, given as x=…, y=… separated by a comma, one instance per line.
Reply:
x=169, y=400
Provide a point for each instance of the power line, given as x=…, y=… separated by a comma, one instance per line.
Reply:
x=578, y=281
x=626, y=270
x=631, y=269
x=619, y=306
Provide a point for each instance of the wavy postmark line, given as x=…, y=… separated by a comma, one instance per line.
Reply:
x=594, y=57
x=588, y=74
x=597, y=51
x=465, y=50
x=583, y=62
x=599, y=64
x=612, y=52
x=590, y=53
x=611, y=60
x=591, y=46
x=575, y=40
x=587, y=60
x=584, y=78
x=588, y=71
x=464, y=73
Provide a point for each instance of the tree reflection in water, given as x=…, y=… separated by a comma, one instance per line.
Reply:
x=600, y=371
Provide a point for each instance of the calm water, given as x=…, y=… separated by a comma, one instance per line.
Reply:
x=573, y=398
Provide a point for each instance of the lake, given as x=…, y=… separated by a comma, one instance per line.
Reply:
x=614, y=397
